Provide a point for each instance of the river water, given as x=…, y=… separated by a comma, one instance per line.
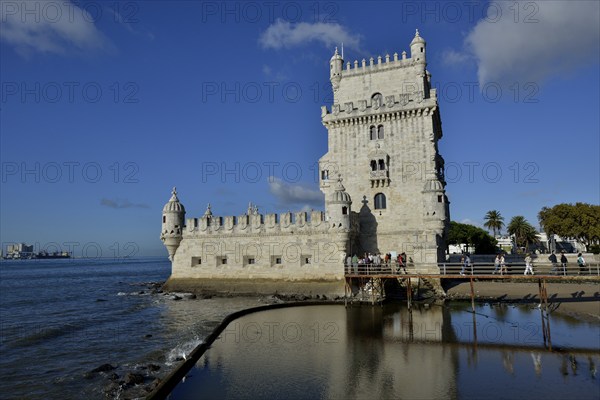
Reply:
x=61, y=319
x=388, y=353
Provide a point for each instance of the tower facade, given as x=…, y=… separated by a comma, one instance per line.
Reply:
x=383, y=132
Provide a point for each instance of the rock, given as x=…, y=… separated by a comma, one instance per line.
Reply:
x=174, y=297
x=148, y=336
x=206, y=296
x=133, y=378
x=112, y=389
x=189, y=296
x=153, y=367
x=103, y=368
x=153, y=385
x=113, y=377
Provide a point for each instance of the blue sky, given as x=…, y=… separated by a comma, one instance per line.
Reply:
x=107, y=105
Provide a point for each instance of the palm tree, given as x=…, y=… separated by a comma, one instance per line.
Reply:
x=524, y=232
x=494, y=221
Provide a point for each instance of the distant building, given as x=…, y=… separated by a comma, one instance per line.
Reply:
x=558, y=243
x=19, y=250
x=506, y=243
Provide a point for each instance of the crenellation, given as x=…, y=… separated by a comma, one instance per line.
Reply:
x=404, y=106
x=255, y=223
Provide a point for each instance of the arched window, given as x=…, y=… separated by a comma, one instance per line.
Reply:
x=373, y=165
x=380, y=132
x=344, y=210
x=164, y=219
x=380, y=201
x=381, y=165
x=373, y=133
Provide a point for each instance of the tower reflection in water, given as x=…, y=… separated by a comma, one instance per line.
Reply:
x=382, y=352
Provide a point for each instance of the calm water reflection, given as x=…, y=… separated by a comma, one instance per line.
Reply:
x=387, y=352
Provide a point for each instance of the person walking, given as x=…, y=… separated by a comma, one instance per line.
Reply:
x=403, y=262
x=581, y=263
x=496, y=263
x=528, y=264
x=554, y=261
x=503, y=268
x=466, y=262
x=563, y=262
x=355, y=264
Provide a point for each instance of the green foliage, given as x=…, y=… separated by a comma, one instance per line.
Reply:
x=524, y=232
x=494, y=221
x=594, y=249
x=580, y=221
x=472, y=236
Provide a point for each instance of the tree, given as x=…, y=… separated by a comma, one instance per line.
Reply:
x=524, y=232
x=580, y=221
x=471, y=236
x=494, y=221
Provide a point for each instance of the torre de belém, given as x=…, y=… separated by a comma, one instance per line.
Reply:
x=384, y=188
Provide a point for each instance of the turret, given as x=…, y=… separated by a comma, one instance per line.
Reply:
x=336, y=64
x=417, y=49
x=173, y=216
x=338, y=206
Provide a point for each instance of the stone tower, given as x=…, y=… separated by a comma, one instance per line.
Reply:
x=383, y=129
x=173, y=217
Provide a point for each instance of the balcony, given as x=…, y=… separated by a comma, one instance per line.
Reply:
x=380, y=178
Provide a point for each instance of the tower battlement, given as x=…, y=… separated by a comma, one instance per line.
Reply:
x=405, y=105
x=379, y=64
x=256, y=224
x=397, y=75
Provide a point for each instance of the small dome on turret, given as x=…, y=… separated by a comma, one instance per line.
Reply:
x=336, y=55
x=417, y=38
x=173, y=205
x=208, y=211
x=340, y=195
x=433, y=185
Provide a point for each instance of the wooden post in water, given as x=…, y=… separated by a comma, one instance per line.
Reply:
x=372, y=291
x=547, y=314
x=542, y=310
x=409, y=293
x=472, y=295
x=346, y=292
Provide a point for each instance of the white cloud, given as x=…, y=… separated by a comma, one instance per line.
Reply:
x=452, y=57
x=284, y=34
x=54, y=27
x=294, y=195
x=548, y=39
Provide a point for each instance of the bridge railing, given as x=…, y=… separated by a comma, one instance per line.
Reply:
x=514, y=268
